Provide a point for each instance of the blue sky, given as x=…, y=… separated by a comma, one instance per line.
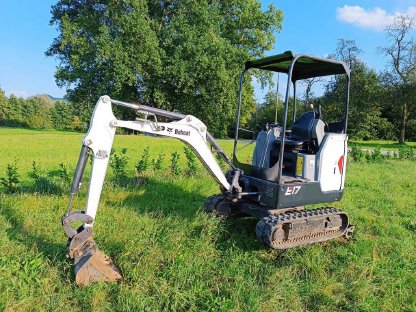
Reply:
x=310, y=26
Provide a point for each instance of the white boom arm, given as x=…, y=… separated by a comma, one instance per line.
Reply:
x=100, y=138
x=90, y=263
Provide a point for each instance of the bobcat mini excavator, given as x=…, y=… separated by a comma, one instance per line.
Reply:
x=290, y=168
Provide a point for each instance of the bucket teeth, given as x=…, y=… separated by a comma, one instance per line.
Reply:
x=92, y=265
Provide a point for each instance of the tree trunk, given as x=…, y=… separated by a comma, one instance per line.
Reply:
x=403, y=126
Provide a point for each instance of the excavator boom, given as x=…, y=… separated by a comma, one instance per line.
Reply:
x=91, y=265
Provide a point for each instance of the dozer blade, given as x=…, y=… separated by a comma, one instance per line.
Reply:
x=92, y=265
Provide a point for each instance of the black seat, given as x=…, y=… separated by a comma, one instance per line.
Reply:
x=271, y=174
x=302, y=127
x=306, y=135
x=300, y=134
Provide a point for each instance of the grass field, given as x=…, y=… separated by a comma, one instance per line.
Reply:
x=175, y=258
x=384, y=145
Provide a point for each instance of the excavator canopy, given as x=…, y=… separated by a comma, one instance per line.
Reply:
x=305, y=66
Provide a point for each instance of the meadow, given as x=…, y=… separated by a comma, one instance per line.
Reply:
x=175, y=258
x=383, y=145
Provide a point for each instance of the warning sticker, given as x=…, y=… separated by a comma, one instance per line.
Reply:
x=299, y=166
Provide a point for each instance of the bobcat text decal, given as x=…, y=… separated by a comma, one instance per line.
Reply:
x=176, y=131
x=182, y=132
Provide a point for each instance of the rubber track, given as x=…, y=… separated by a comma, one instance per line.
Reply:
x=267, y=225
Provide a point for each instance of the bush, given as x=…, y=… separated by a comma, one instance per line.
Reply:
x=406, y=152
x=11, y=182
x=64, y=173
x=190, y=161
x=143, y=163
x=174, y=163
x=376, y=155
x=42, y=183
x=118, y=164
x=157, y=163
x=77, y=125
x=357, y=153
x=36, y=172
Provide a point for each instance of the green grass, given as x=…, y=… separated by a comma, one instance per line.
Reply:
x=174, y=257
x=384, y=145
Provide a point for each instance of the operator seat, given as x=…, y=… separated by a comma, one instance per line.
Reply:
x=301, y=129
x=307, y=133
x=306, y=136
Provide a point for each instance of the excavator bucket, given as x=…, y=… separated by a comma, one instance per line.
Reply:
x=92, y=265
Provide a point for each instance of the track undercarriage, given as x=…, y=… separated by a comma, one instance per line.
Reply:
x=288, y=227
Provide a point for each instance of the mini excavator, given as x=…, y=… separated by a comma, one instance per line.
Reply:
x=290, y=168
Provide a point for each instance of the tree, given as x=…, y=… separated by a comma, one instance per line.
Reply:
x=400, y=77
x=177, y=55
x=13, y=111
x=104, y=47
x=308, y=84
x=347, y=51
x=62, y=116
x=36, y=111
x=3, y=105
x=366, y=97
x=77, y=124
x=266, y=111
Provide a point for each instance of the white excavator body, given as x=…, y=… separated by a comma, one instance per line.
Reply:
x=290, y=169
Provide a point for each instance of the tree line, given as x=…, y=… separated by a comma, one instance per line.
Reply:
x=39, y=112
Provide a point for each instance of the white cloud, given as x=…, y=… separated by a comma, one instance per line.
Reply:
x=376, y=18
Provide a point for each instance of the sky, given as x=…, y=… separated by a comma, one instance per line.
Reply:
x=309, y=26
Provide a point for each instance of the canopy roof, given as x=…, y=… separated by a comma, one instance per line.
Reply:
x=305, y=66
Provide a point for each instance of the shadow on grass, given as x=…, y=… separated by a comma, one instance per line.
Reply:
x=54, y=252
x=166, y=199
x=151, y=195
x=43, y=186
x=53, y=173
x=240, y=233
